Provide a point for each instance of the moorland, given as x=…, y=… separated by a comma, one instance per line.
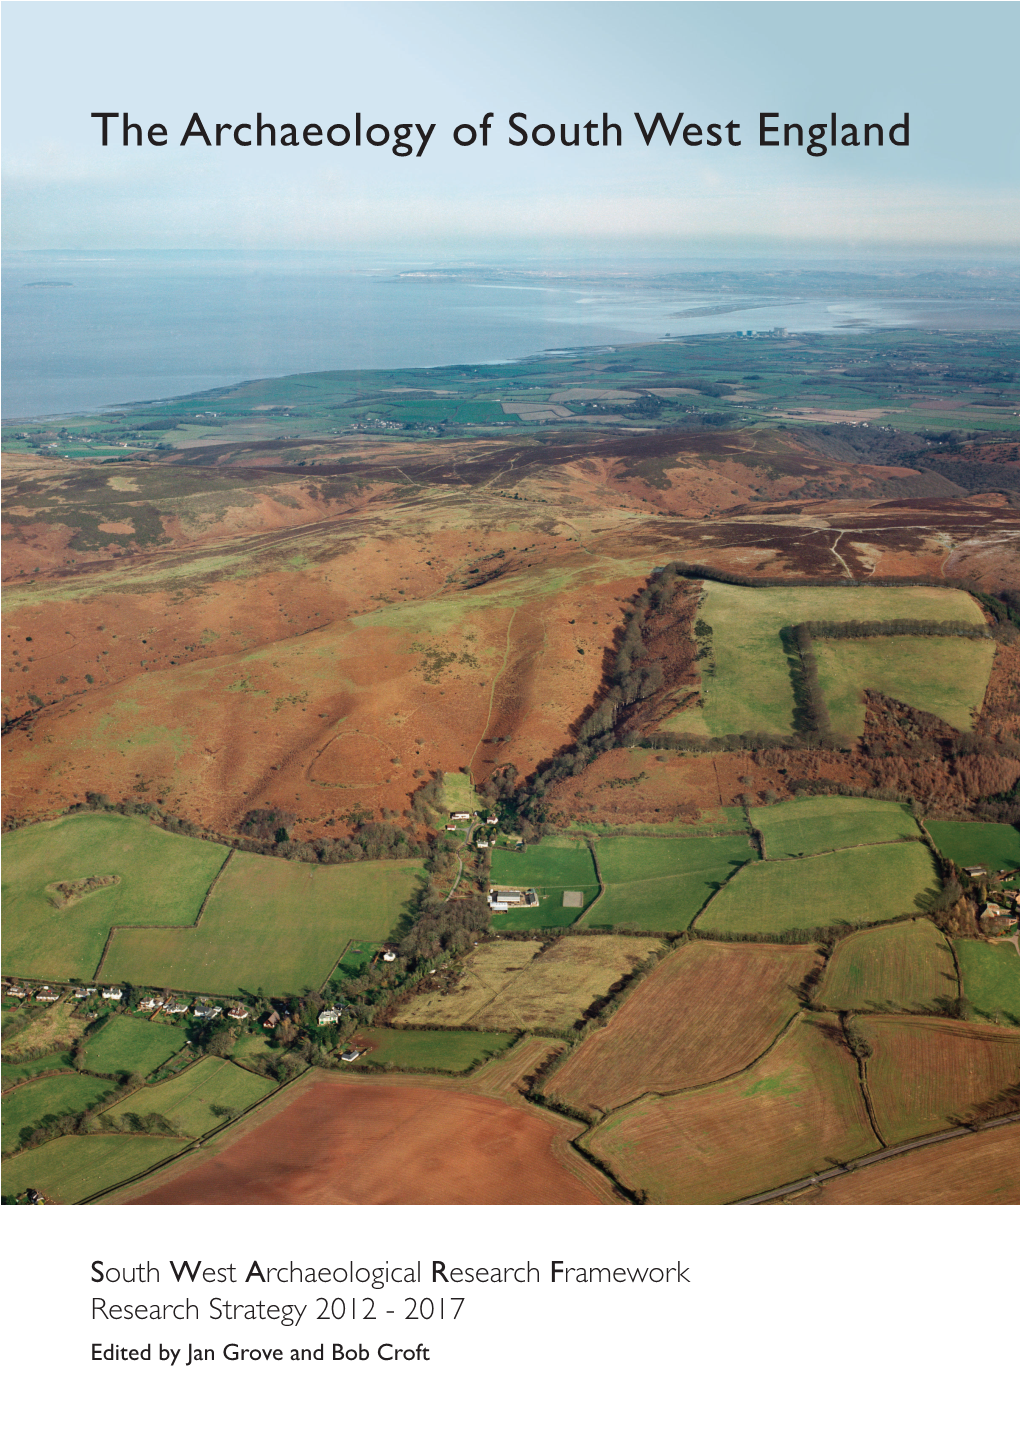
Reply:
x=711, y=645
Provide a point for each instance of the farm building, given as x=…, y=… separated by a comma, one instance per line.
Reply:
x=504, y=896
x=460, y=815
x=351, y=1055
x=483, y=846
x=498, y=906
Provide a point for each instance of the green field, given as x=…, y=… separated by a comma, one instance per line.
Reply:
x=164, y=880
x=751, y=690
x=556, y=864
x=860, y=886
x=946, y=675
x=906, y=965
x=128, y=1044
x=52, y=1096
x=15, y=1071
x=200, y=1098
x=280, y=925
x=977, y=843
x=830, y=823
x=443, y=1050
x=723, y=821
x=655, y=884
x=71, y=1168
x=991, y=977
x=460, y=795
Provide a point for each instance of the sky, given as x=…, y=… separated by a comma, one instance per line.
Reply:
x=950, y=65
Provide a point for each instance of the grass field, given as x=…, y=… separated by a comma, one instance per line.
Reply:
x=857, y=886
x=660, y=884
x=444, y=1050
x=200, y=1099
x=281, y=925
x=128, y=1044
x=705, y=1012
x=923, y=1072
x=830, y=823
x=55, y=1096
x=977, y=843
x=163, y=882
x=889, y=968
x=786, y=1116
x=15, y=1071
x=72, y=1168
x=255, y=1046
x=991, y=977
x=459, y=794
x=751, y=690
x=52, y=1027
x=946, y=675
x=555, y=865
x=505, y=986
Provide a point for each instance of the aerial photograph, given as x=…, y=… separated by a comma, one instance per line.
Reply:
x=511, y=605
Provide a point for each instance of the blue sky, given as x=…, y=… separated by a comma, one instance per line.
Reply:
x=951, y=65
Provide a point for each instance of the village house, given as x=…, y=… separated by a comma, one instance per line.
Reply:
x=389, y=956
x=47, y=994
x=271, y=1021
x=204, y=1012
x=148, y=1003
x=175, y=1007
x=329, y=1016
x=15, y=990
x=112, y=993
x=238, y=1013
x=483, y=846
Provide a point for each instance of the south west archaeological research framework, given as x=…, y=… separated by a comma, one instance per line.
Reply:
x=376, y=1277
x=411, y=138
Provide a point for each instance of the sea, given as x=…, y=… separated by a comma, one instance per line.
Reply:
x=83, y=331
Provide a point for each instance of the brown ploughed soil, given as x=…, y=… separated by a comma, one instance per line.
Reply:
x=980, y=1169
x=925, y=1073
x=342, y=1143
x=780, y=1120
x=704, y=1013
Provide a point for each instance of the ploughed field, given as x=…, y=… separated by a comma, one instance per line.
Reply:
x=782, y=1118
x=706, y=1011
x=981, y=1168
x=346, y=1143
